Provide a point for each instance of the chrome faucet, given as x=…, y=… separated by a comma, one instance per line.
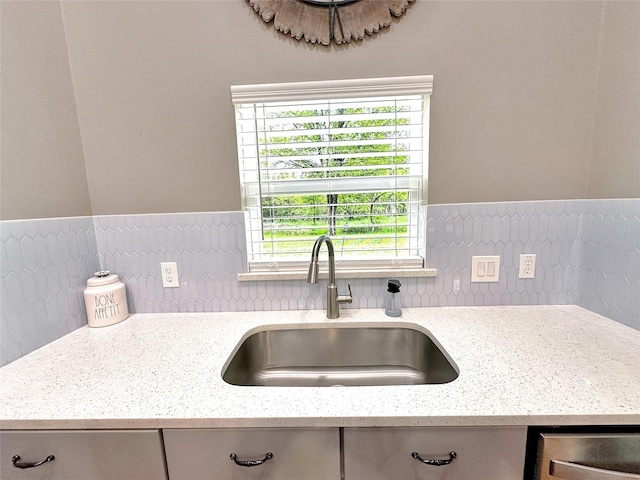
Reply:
x=333, y=299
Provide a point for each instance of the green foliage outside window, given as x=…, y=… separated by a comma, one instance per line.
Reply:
x=320, y=152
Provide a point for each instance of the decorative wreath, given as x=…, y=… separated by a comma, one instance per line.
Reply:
x=324, y=21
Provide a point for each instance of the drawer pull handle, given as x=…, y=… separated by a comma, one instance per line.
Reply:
x=250, y=463
x=15, y=459
x=437, y=463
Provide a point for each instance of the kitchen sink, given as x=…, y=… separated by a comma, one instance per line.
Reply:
x=339, y=355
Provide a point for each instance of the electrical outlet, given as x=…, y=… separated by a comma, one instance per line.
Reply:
x=485, y=269
x=169, y=274
x=527, y=265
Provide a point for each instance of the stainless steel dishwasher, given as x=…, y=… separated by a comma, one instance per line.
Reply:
x=588, y=456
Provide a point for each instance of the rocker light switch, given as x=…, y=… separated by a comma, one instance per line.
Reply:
x=491, y=269
x=480, y=270
x=485, y=269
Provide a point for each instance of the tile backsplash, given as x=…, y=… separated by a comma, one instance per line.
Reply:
x=588, y=253
x=43, y=267
x=609, y=253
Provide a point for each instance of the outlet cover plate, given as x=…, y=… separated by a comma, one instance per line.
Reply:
x=485, y=268
x=527, y=265
x=169, y=272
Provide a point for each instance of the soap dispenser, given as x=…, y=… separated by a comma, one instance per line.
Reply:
x=392, y=304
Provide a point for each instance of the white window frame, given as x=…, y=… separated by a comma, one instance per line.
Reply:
x=323, y=90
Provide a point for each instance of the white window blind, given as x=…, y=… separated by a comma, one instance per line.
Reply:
x=344, y=158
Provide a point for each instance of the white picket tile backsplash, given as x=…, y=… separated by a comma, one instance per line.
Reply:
x=588, y=253
x=43, y=267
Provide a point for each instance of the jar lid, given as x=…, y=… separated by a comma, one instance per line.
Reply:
x=103, y=277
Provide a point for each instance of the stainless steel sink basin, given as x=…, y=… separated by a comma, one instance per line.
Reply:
x=338, y=356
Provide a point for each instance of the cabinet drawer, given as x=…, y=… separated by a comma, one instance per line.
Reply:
x=83, y=454
x=298, y=454
x=480, y=453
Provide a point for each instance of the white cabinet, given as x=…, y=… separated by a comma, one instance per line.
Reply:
x=481, y=453
x=278, y=453
x=83, y=455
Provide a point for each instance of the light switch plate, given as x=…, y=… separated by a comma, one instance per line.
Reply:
x=485, y=268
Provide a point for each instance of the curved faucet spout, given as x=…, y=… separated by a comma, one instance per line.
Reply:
x=333, y=299
x=312, y=277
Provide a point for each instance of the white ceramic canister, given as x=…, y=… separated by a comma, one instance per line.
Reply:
x=106, y=300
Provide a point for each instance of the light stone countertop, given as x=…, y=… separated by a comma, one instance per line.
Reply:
x=524, y=365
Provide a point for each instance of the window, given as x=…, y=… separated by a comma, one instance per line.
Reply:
x=344, y=158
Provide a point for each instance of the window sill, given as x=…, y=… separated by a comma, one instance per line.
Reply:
x=381, y=273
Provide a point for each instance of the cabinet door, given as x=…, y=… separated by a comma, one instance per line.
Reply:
x=83, y=455
x=296, y=454
x=480, y=453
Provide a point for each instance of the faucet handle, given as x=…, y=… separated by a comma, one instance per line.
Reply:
x=346, y=298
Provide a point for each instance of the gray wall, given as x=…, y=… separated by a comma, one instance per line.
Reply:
x=522, y=106
x=615, y=157
x=42, y=170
